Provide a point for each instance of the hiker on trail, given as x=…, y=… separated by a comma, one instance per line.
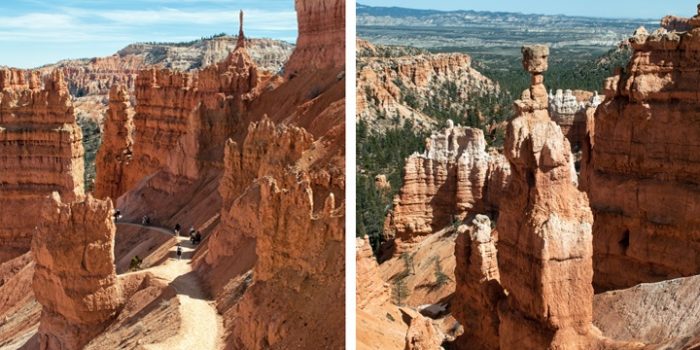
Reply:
x=117, y=214
x=146, y=220
x=192, y=237
x=177, y=230
x=197, y=238
x=179, y=251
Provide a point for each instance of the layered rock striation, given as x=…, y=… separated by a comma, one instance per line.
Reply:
x=40, y=151
x=321, y=41
x=75, y=279
x=446, y=183
x=116, y=151
x=544, y=230
x=183, y=119
x=642, y=164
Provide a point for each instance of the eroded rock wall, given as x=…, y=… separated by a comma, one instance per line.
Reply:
x=398, y=87
x=75, y=279
x=642, y=168
x=182, y=120
x=321, y=41
x=445, y=183
x=40, y=152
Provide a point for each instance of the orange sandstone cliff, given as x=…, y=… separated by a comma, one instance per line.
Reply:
x=641, y=167
x=40, y=152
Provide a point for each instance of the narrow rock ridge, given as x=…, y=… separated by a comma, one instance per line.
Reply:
x=445, y=183
x=641, y=168
x=41, y=151
x=75, y=279
x=116, y=150
x=544, y=230
x=479, y=291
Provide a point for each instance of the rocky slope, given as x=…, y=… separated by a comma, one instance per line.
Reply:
x=40, y=151
x=641, y=168
x=392, y=89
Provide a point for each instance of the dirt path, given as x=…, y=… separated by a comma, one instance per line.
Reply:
x=201, y=326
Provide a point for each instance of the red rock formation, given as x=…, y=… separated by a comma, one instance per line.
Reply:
x=544, y=231
x=443, y=184
x=371, y=289
x=117, y=141
x=398, y=86
x=40, y=152
x=75, y=279
x=321, y=40
x=478, y=291
x=643, y=166
x=422, y=335
x=183, y=119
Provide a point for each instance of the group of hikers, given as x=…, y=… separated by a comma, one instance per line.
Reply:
x=195, y=237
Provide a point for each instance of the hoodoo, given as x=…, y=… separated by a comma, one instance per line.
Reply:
x=544, y=230
x=115, y=153
x=642, y=168
x=75, y=280
x=40, y=152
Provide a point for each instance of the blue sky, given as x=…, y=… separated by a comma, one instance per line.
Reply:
x=38, y=32
x=651, y=9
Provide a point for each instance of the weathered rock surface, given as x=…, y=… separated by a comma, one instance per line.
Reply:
x=422, y=335
x=663, y=314
x=183, y=119
x=75, y=279
x=399, y=86
x=40, y=151
x=115, y=153
x=479, y=291
x=643, y=165
x=544, y=231
x=321, y=41
x=445, y=183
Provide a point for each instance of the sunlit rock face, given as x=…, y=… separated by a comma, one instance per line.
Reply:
x=75, y=279
x=544, y=230
x=641, y=168
x=41, y=152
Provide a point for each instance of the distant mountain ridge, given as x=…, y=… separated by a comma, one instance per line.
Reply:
x=400, y=16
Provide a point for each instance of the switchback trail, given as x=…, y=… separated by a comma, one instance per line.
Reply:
x=201, y=325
